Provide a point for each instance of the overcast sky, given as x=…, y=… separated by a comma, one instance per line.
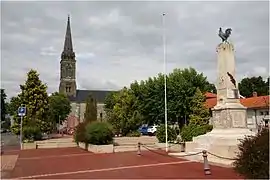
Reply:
x=119, y=42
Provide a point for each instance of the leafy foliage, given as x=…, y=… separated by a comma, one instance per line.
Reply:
x=253, y=159
x=91, y=109
x=99, y=133
x=254, y=84
x=161, y=134
x=34, y=96
x=192, y=130
x=59, y=107
x=199, y=113
x=143, y=103
x=134, y=134
x=124, y=117
x=32, y=133
x=3, y=104
x=80, y=132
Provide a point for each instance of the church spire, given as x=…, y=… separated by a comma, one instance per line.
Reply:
x=68, y=40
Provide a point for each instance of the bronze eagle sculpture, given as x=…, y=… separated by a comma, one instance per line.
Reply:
x=226, y=35
x=232, y=79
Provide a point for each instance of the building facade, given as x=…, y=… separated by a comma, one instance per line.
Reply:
x=68, y=85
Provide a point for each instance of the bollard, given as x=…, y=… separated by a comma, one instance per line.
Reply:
x=139, y=149
x=205, y=163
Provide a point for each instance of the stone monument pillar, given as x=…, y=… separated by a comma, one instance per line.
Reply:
x=229, y=115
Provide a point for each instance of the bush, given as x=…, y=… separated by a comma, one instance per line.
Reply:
x=192, y=130
x=32, y=133
x=161, y=134
x=134, y=134
x=253, y=159
x=99, y=133
x=79, y=134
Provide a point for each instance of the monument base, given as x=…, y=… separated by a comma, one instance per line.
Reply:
x=220, y=142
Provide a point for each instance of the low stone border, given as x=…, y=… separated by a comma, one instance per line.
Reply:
x=97, y=148
x=29, y=145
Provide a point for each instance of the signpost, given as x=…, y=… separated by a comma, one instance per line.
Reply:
x=21, y=113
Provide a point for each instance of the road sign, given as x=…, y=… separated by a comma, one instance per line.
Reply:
x=22, y=111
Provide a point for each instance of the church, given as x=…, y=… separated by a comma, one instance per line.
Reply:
x=68, y=85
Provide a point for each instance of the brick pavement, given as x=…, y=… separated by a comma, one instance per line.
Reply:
x=7, y=164
x=75, y=163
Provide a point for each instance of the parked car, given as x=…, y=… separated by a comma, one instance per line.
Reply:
x=152, y=130
x=143, y=129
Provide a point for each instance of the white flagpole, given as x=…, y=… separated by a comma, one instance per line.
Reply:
x=165, y=80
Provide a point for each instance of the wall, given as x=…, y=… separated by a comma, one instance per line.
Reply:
x=78, y=110
x=256, y=117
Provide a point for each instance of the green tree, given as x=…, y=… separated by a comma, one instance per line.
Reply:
x=146, y=99
x=253, y=84
x=59, y=108
x=35, y=98
x=124, y=116
x=91, y=109
x=199, y=113
x=3, y=105
x=13, y=106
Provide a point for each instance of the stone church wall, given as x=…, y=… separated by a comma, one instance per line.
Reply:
x=78, y=109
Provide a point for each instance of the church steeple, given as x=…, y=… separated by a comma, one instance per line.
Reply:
x=68, y=40
x=68, y=66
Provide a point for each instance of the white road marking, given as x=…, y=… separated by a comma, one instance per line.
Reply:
x=105, y=169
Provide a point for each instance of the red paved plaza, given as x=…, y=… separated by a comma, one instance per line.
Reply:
x=72, y=163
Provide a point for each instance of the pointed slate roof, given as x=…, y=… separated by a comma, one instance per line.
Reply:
x=68, y=40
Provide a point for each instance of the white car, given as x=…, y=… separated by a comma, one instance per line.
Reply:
x=152, y=130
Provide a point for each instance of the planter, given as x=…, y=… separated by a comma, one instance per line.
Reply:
x=101, y=148
x=29, y=145
x=83, y=145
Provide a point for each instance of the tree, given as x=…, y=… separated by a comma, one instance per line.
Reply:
x=199, y=113
x=59, y=107
x=124, y=117
x=35, y=98
x=13, y=106
x=253, y=84
x=3, y=105
x=91, y=109
x=145, y=100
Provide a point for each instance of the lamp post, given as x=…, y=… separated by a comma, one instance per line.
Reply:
x=165, y=81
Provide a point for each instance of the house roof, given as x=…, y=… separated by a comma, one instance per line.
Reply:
x=210, y=95
x=81, y=95
x=252, y=102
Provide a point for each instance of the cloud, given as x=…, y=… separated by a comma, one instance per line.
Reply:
x=119, y=42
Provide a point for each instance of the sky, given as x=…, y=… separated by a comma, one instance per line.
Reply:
x=119, y=42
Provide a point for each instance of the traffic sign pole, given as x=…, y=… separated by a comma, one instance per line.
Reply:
x=21, y=113
x=21, y=142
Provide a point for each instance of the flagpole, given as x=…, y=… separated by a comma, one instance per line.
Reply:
x=165, y=80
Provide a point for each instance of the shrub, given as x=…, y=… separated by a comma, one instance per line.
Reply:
x=79, y=134
x=161, y=134
x=32, y=133
x=192, y=130
x=253, y=157
x=99, y=133
x=134, y=134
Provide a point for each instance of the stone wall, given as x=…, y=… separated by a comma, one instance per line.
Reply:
x=78, y=110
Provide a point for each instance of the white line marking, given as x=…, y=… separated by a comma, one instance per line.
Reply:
x=105, y=169
x=58, y=156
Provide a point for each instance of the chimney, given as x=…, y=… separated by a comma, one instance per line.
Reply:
x=255, y=94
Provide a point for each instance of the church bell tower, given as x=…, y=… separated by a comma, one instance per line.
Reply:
x=68, y=66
